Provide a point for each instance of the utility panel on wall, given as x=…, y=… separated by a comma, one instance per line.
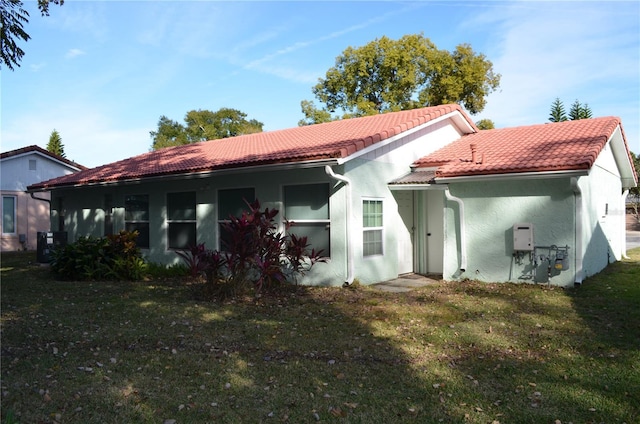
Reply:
x=523, y=237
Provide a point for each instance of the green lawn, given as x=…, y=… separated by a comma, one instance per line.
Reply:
x=119, y=352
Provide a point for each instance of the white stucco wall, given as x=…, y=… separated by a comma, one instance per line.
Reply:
x=491, y=210
x=370, y=172
x=603, y=214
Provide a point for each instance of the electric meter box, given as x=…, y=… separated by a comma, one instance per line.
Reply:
x=523, y=237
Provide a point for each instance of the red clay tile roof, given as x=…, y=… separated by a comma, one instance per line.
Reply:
x=39, y=149
x=337, y=139
x=562, y=146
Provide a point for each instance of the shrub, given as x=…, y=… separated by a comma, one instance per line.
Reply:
x=115, y=257
x=255, y=255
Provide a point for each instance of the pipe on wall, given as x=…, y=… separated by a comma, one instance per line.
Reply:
x=349, y=239
x=463, y=240
x=624, y=223
x=577, y=192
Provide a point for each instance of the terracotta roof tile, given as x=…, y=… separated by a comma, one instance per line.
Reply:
x=570, y=145
x=337, y=139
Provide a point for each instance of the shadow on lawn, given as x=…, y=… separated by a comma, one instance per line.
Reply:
x=145, y=352
x=139, y=352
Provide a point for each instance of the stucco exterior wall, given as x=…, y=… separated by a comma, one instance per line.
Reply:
x=31, y=215
x=491, y=210
x=370, y=173
x=603, y=214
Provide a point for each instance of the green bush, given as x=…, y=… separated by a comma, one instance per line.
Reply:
x=115, y=257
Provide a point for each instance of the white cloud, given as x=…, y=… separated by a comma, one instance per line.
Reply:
x=585, y=51
x=74, y=53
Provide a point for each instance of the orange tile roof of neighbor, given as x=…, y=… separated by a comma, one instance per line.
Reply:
x=332, y=140
x=562, y=146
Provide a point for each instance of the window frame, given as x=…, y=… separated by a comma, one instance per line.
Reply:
x=181, y=222
x=13, y=216
x=225, y=220
x=313, y=222
x=372, y=228
x=134, y=224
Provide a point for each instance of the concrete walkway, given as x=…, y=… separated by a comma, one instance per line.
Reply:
x=633, y=239
x=406, y=282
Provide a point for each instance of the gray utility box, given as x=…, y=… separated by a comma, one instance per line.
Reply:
x=47, y=241
x=523, y=237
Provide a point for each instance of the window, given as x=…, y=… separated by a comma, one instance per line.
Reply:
x=136, y=217
x=307, y=206
x=181, y=217
x=8, y=214
x=232, y=202
x=372, y=224
x=33, y=165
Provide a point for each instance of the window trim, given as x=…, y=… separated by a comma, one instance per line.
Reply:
x=366, y=229
x=193, y=221
x=14, y=216
x=138, y=221
x=325, y=221
x=220, y=220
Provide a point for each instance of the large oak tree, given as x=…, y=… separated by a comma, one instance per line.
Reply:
x=390, y=75
x=202, y=125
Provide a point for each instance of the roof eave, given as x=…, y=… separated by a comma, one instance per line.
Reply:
x=190, y=175
x=536, y=175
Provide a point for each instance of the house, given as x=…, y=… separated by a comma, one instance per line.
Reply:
x=24, y=215
x=413, y=191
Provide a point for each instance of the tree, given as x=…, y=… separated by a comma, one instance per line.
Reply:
x=634, y=192
x=390, y=75
x=202, y=125
x=485, y=124
x=13, y=17
x=579, y=111
x=558, y=113
x=55, y=145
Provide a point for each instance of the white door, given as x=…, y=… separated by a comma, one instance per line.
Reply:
x=404, y=233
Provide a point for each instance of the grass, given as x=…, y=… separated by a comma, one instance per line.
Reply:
x=145, y=352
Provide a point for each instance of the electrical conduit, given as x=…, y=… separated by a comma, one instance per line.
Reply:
x=347, y=182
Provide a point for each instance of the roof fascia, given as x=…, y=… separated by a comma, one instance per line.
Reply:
x=513, y=176
x=51, y=158
x=197, y=175
x=455, y=116
x=621, y=156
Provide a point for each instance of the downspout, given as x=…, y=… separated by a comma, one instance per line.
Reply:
x=578, y=209
x=43, y=200
x=463, y=239
x=40, y=198
x=624, y=225
x=347, y=182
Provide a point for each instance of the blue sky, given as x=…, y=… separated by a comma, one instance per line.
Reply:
x=103, y=72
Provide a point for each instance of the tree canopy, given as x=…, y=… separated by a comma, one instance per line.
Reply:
x=202, y=125
x=577, y=111
x=55, y=145
x=13, y=17
x=390, y=75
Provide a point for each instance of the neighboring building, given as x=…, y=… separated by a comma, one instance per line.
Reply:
x=383, y=195
x=23, y=215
